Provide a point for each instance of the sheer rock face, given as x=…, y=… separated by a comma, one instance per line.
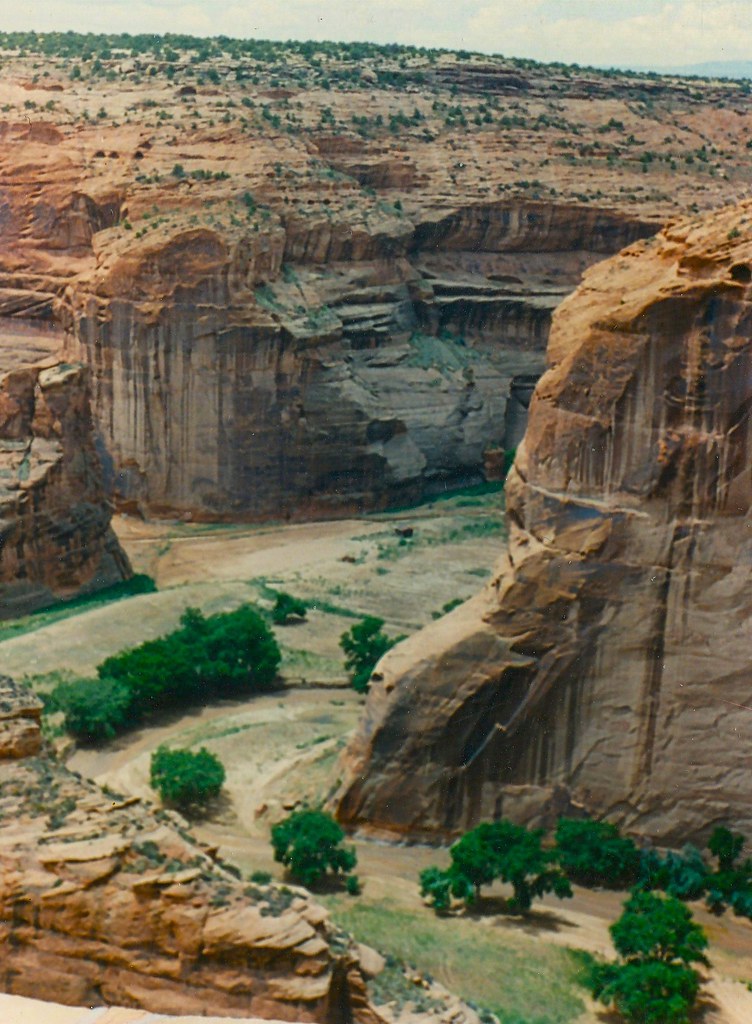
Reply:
x=607, y=665
x=226, y=388
x=55, y=534
x=112, y=904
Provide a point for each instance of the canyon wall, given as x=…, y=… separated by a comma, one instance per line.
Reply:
x=112, y=903
x=606, y=667
x=376, y=365
x=55, y=535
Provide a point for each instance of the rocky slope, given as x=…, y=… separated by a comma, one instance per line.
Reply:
x=55, y=535
x=607, y=665
x=110, y=903
x=310, y=282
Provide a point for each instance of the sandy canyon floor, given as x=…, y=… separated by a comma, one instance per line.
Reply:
x=281, y=749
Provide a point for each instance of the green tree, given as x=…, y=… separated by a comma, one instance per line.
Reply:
x=94, y=710
x=364, y=644
x=186, y=779
x=227, y=654
x=654, y=981
x=309, y=843
x=594, y=853
x=497, y=850
x=731, y=884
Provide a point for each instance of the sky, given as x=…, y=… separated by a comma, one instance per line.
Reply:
x=606, y=33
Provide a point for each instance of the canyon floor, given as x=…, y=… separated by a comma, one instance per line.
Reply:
x=346, y=569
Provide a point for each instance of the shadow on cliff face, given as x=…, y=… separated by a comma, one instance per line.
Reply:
x=604, y=669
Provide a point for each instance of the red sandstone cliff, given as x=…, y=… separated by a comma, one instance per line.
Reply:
x=259, y=274
x=111, y=903
x=607, y=665
x=55, y=534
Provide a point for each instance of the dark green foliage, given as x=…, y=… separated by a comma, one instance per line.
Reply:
x=225, y=655
x=94, y=710
x=652, y=992
x=436, y=886
x=657, y=942
x=497, y=850
x=731, y=884
x=364, y=644
x=726, y=846
x=683, y=875
x=353, y=886
x=309, y=843
x=186, y=780
x=286, y=608
x=658, y=927
x=594, y=853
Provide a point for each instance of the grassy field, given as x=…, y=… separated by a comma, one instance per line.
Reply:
x=519, y=979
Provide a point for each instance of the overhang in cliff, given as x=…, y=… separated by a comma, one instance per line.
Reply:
x=607, y=666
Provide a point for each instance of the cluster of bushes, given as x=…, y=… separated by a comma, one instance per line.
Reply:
x=654, y=981
x=594, y=853
x=225, y=655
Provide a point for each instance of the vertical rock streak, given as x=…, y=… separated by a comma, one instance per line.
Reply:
x=625, y=586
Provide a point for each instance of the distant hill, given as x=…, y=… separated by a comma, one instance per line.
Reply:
x=707, y=69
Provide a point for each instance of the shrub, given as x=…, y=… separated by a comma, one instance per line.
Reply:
x=286, y=608
x=309, y=843
x=94, y=710
x=221, y=655
x=594, y=853
x=186, y=780
x=731, y=884
x=497, y=850
x=654, y=981
x=683, y=875
x=364, y=644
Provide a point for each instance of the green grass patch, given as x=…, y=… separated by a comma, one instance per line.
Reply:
x=298, y=661
x=138, y=584
x=504, y=970
x=489, y=494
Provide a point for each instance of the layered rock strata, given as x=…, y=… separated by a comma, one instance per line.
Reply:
x=113, y=904
x=55, y=535
x=606, y=667
x=328, y=288
x=220, y=392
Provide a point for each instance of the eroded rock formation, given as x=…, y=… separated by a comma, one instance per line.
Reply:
x=112, y=904
x=55, y=534
x=329, y=290
x=606, y=667
x=221, y=392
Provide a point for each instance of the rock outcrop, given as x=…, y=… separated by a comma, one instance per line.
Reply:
x=606, y=667
x=113, y=904
x=55, y=535
x=331, y=290
x=221, y=393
